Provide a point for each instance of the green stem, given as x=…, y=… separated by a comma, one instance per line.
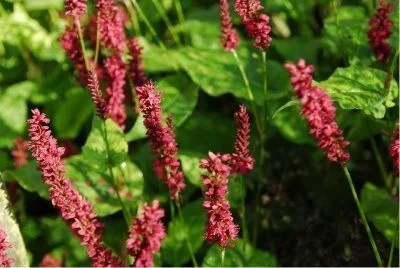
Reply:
x=148, y=24
x=379, y=160
x=389, y=73
x=223, y=257
x=264, y=62
x=79, y=28
x=395, y=236
x=340, y=35
x=113, y=180
x=189, y=245
x=363, y=218
x=134, y=18
x=250, y=94
x=164, y=16
x=171, y=204
x=179, y=11
x=96, y=55
x=243, y=211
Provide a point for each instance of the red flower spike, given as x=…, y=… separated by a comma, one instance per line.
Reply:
x=94, y=88
x=229, y=36
x=74, y=208
x=395, y=148
x=241, y=160
x=256, y=24
x=20, y=154
x=319, y=111
x=380, y=31
x=50, y=261
x=111, y=26
x=115, y=69
x=5, y=261
x=75, y=7
x=146, y=235
x=163, y=143
x=136, y=71
x=220, y=228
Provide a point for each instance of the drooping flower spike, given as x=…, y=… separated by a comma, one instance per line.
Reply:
x=162, y=137
x=5, y=261
x=146, y=235
x=395, y=149
x=241, y=160
x=380, y=30
x=220, y=228
x=256, y=23
x=74, y=208
x=229, y=35
x=75, y=7
x=318, y=109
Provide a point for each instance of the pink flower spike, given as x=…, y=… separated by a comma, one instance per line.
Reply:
x=94, y=88
x=163, y=143
x=136, y=71
x=111, y=25
x=380, y=31
x=5, y=261
x=115, y=69
x=241, y=160
x=395, y=149
x=229, y=36
x=220, y=228
x=319, y=111
x=146, y=234
x=74, y=208
x=75, y=7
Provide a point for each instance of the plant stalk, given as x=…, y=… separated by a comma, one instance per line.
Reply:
x=181, y=17
x=167, y=21
x=264, y=62
x=389, y=73
x=189, y=245
x=381, y=165
x=96, y=55
x=395, y=236
x=79, y=29
x=363, y=217
x=243, y=211
x=223, y=257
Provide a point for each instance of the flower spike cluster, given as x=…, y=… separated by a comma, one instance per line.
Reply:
x=20, y=154
x=256, y=23
x=74, y=208
x=5, y=261
x=163, y=143
x=94, y=89
x=220, y=227
x=319, y=111
x=229, y=35
x=136, y=71
x=111, y=26
x=380, y=31
x=241, y=160
x=395, y=149
x=115, y=69
x=146, y=235
x=75, y=7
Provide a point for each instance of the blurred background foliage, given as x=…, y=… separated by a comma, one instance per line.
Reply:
x=305, y=214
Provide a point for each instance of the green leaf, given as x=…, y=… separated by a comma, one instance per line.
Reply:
x=156, y=59
x=285, y=106
x=190, y=165
x=105, y=146
x=96, y=186
x=306, y=48
x=236, y=192
x=30, y=179
x=179, y=98
x=43, y=4
x=381, y=210
x=241, y=255
x=361, y=88
x=66, y=122
x=350, y=34
x=175, y=251
x=204, y=35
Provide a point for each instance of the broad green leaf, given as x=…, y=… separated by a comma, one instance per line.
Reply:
x=190, y=165
x=105, y=146
x=77, y=102
x=30, y=179
x=361, y=88
x=381, y=210
x=204, y=35
x=365, y=127
x=156, y=59
x=350, y=34
x=174, y=250
x=179, y=98
x=241, y=255
x=9, y=225
x=292, y=126
x=43, y=4
x=306, y=48
x=96, y=186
